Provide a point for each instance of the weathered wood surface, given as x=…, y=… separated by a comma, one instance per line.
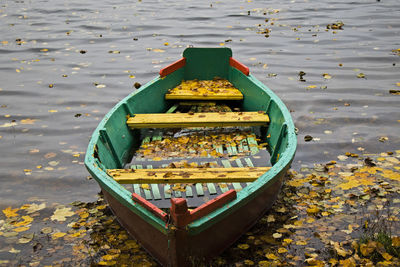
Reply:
x=188, y=175
x=210, y=119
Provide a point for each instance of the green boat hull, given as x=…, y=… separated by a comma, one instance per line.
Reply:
x=111, y=145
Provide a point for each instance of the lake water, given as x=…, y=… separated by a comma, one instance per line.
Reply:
x=64, y=64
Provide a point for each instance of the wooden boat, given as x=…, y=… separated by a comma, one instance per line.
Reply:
x=215, y=206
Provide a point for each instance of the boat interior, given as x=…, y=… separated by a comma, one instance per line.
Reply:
x=204, y=130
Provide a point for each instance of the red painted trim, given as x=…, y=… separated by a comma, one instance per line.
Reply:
x=150, y=207
x=212, y=205
x=236, y=64
x=173, y=67
x=182, y=216
x=179, y=212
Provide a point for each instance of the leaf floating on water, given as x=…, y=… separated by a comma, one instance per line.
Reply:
x=308, y=138
x=383, y=139
x=28, y=121
x=243, y=246
x=394, y=92
x=10, y=212
x=276, y=235
x=326, y=76
x=58, y=235
x=60, y=214
x=26, y=238
x=271, y=256
x=100, y=85
x=361, y=75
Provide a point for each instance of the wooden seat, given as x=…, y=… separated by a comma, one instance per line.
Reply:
x=204, y=90
x=190, y=95
x=211, y=119
x=186, y=175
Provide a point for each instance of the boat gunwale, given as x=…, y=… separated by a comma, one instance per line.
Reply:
x=243, y=197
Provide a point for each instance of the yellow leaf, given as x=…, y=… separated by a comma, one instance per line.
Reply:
x=53, y=110
x=326, y=76
x=301, y=243
x=311, y=86
x=35, y=207
x=26, y=220
x=158, y=50
x=9, y=212
x=313, y=209
x=60, y=214
x=282, y=250
x=277, y=235
x=287, y=241
x=333, y=261
x=243, y=246
x=17, y=70
x=58, y=235
x=367, y=249
x=44, y=50
x=109, y=257
x=396, y=241
x=108, y=263
x=84, y=215
x=21, y=229
x=350, y=262
x=145, y=186
x=398, y=84
x=386, y=256
x=271, y=256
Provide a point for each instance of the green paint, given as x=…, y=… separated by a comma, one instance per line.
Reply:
x=202, y=64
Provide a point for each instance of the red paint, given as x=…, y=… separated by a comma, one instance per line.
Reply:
x=182, y=216
x=150, y=207
x=173, y=67
x=212, y=205
x=236, y=64
x=179, y=212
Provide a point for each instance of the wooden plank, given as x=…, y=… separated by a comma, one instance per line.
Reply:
x=136, y=187
x=207, y=119
x=250, y=164
x=235, y=184
x=199, y=189
x=189, y=192
x=211, y=188
x=188, y=94
x=252, y=144
x=146, y=140
x=188, y=175
x=197, y=103
x=167, y=191
x=154, y=187
x=172, y=109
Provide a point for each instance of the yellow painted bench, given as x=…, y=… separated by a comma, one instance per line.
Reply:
x=211, y=119
x=187, y=175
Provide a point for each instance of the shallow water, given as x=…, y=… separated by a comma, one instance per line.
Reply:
x=65, y=64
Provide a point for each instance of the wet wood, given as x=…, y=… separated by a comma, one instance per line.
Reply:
x=189, y=175
x=188, y=94
x=211, y=119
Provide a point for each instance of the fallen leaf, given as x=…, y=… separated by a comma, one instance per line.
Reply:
x=60, y=214
x=58, y=235
x=9, y=212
